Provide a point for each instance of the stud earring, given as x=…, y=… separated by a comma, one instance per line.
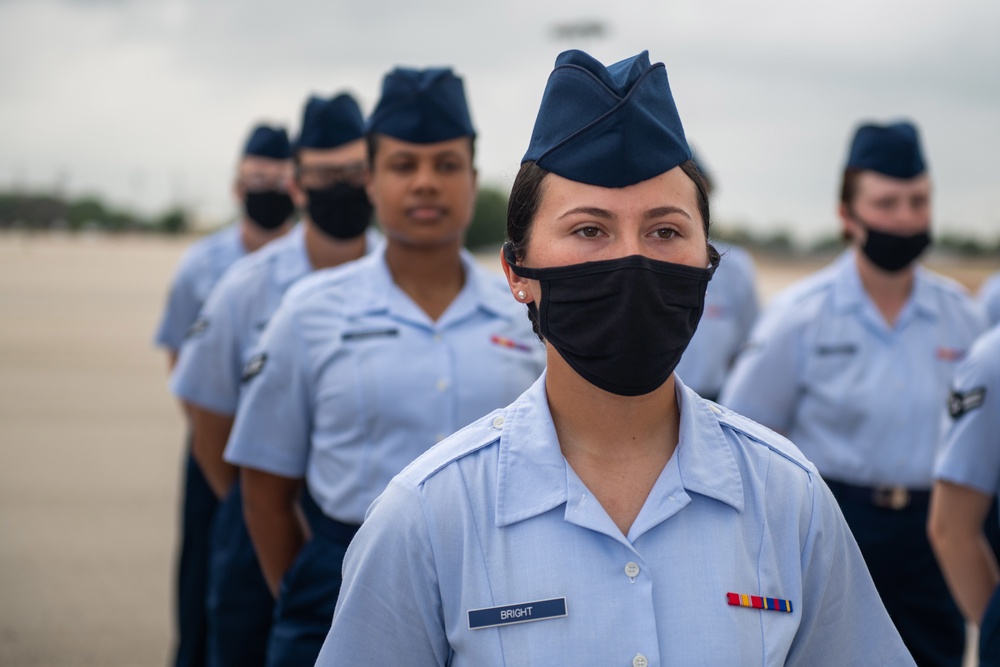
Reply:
x=521, y=295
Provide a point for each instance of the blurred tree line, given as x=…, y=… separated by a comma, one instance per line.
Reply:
x=19, y=210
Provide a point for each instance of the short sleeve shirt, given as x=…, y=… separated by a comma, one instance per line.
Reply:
x=989, y=297
x=730, y=311
x=971, y=453
x=489, y=550
x=352, y=380
x=200, y=268
x=863, y=400
x=214, y=355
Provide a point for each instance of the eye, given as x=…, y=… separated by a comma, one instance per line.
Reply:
x=665, y=233
x=588, y=232
x=448, y=166
x=402, y=166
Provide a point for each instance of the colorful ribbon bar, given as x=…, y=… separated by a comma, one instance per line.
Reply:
x=758, y=602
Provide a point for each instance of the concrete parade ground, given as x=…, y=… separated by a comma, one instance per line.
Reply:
x=91, y=446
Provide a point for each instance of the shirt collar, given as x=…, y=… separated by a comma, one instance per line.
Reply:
x=379, y=293
x=849, y=294
x=532, y=473
x=293, y=261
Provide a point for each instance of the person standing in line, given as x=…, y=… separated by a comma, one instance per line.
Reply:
x=329, y=185
x=609, y=515
x=365, y=367
x=967, y=480
x=731, y=308
x=989, y=297
x=854, y=365
x=261, y=189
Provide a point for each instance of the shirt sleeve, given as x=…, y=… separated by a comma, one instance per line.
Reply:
x=971, y=452
x=748, y=304
x=210, y=363
x=989, y=297
x=389, y=611
x=182, y=309
x=843, y=619
x=764, y=382
x=273, y=426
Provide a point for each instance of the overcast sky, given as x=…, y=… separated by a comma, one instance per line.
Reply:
x=149, y=101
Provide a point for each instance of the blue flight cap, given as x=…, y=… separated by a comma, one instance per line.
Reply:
x=269, y=142
x=421, y=107
x=607, y=126
x=330, y=123
x=893, y=150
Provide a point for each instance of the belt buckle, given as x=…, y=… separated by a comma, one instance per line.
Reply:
x=891, y=497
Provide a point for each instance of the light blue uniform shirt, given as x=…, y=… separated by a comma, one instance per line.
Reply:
x=496, y=517
x=212, y=358
x=971, y=453
x=730, y=311
x=862, y=400
x=200, y=268
x=353, y=380
x=989, y=297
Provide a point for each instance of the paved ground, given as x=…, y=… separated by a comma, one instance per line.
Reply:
x=90, y=448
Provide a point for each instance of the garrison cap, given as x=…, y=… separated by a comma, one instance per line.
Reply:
x=330, y=123
x=422, y=107
x=892, y=150
x=608, y=126
x=269, y=142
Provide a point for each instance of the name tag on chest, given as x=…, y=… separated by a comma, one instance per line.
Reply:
x=524, y=612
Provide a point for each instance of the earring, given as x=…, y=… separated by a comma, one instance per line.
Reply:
x=521, y=295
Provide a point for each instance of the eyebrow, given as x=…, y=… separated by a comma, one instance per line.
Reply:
x=652, y=213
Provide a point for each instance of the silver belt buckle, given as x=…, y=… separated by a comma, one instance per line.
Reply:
x=891, y=497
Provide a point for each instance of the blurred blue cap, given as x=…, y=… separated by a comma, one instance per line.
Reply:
x=421, y=107
x=608, y=126
x=330, y=123
x=892, y=150
x=269, y=142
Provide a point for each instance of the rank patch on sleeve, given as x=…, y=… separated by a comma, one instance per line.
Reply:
x=198, y=327
x=960, y=402
x=254, y=367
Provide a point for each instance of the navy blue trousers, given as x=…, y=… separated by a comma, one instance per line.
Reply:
x=239, y=602
x=895, y=547
x=989, y=633
x=309, y=591
x=305, y=606
x=198, y=508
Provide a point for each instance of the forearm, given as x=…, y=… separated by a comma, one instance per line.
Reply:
x=211, y=432
x=274, y=522
x=970, y=569
x=955, y=530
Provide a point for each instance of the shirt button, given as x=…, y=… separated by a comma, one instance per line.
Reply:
x=442, y=385
x=437, y=338
x=640, y=661
x=440, y=436
x=632, y=571
x=498, y=422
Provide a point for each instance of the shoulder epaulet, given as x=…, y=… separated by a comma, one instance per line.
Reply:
x=479, y=434
x=764, y=436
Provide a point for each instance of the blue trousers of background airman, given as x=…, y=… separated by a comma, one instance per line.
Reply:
x=309, y=591
x=239, y=602
x=898, y=554
x=199, y=505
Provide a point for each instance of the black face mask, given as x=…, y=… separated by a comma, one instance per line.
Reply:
x=269, y=209
x=892, y=252
x=622, y=324
x=341, y=211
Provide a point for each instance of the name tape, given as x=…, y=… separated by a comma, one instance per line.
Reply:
x=524, y=612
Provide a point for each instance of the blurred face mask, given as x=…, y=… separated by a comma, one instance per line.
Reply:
x=622, y=324
x=892, y=252
x=341, y=211
x=268, y=209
